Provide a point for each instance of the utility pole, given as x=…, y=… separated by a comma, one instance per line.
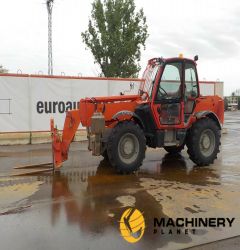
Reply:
x=49, y=4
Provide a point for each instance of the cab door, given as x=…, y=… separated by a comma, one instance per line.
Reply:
x=168, y=103
x=191, y=89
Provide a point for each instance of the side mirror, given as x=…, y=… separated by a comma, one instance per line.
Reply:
x=195, y=58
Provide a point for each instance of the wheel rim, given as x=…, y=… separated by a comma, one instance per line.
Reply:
x=207, y=142
x=128, y=148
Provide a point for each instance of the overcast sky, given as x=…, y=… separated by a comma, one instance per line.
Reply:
x=209, y=28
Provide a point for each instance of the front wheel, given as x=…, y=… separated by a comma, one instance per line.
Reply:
x=203, y=142
x=126, y=147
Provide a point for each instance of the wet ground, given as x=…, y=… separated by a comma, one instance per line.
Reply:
x=80, y=207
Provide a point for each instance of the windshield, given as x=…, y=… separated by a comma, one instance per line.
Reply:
x=149, y=76
x=170, y=84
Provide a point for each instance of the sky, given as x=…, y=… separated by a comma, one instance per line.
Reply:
x=207, y=28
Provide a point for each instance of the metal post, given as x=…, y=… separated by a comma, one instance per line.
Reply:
x=49, y=4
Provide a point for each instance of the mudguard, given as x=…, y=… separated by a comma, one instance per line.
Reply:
x=129, y=113
x=210, y=114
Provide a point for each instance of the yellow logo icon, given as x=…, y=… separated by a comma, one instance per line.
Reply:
x=132, y=225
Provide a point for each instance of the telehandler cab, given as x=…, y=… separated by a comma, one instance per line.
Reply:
x=168, y=112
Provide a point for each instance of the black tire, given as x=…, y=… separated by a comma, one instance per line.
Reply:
x=204, y=129
x=122, y=135
x=174, y=149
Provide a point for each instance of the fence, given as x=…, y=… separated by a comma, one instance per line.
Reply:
x=211, y=88
x=27, y=102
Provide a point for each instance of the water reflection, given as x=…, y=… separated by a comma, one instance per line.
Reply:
x=90, y=198
x=175, y=168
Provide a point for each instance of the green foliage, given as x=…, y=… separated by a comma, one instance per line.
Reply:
x=2, y=70
x=115, y=35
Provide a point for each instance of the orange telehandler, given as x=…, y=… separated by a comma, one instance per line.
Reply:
x=168, y=112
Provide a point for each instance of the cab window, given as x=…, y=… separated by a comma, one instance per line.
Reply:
x=170, y=84
x=191, y=88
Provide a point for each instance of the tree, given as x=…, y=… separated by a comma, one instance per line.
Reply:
x=2, y=70
x=115, y=35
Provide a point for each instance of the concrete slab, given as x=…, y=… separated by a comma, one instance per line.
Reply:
x=24, y=138
x=14, y=138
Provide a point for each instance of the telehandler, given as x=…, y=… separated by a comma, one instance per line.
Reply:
x=167, y=112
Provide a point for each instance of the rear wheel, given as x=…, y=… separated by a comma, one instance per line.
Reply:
x=203, y=142
x=126, y=147
x=174, y=149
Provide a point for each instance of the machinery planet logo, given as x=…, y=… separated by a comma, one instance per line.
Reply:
x=175, y=226
x=132, y=225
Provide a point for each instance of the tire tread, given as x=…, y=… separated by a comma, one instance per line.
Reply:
x=110, y=146
x=192, y=140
